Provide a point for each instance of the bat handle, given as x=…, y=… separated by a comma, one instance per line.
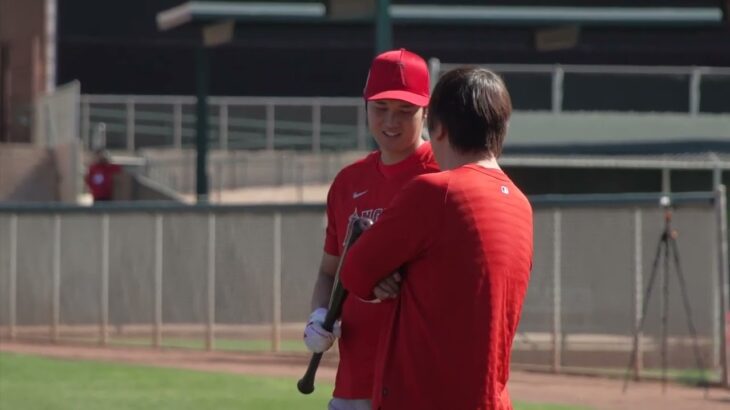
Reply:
x=306, y=383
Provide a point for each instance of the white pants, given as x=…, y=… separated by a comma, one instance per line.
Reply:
x=349, y=404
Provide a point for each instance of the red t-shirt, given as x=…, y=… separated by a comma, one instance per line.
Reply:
x=464, y=238
x=365, y=188
x=100, y=180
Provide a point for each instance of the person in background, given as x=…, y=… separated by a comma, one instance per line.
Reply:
x=100, y=177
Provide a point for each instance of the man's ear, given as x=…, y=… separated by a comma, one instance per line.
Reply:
x=438, y=132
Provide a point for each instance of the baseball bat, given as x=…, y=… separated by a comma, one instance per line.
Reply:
x=354, y=229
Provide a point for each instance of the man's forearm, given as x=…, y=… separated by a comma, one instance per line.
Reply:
x=322, y=291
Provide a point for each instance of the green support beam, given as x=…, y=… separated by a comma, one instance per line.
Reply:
x=383, y=27
x=201, y=123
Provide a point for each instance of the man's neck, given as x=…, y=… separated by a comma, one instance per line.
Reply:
x=390, y=158
x=455, y=160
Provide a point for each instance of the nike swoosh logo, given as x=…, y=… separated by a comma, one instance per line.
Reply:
x=356, y=195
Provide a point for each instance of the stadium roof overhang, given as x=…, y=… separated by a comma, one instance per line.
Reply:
x=217, y=20
x=205, y=12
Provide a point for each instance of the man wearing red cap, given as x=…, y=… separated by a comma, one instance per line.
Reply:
x=396, y=94
x=462, y=239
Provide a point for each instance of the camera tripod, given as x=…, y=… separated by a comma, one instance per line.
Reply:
x=666, y=247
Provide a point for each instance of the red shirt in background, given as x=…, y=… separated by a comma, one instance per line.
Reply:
x=365, y=188
x=100, y=180
x=463, y=240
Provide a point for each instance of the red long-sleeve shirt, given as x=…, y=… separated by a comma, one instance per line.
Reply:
x=365, y=188
x=463, y=239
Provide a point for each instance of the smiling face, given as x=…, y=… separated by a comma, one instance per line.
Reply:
x=396, y=126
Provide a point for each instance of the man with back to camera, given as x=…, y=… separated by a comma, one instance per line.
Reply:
x=462, y=239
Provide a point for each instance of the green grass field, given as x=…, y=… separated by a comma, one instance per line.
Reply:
x=260, y=345
x=233, y=345
x=29, y=382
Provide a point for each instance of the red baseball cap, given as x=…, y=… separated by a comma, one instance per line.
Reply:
x=398, y=75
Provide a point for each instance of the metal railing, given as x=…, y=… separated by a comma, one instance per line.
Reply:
x=556, y=77
x=314, y=124
x=338, y=123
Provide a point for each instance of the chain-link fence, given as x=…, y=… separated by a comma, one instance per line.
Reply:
x=240, y=278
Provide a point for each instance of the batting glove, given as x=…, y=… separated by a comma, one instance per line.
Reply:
x=316, y=338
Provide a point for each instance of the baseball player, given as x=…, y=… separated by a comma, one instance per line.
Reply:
x=396, y=94
x=462, y=240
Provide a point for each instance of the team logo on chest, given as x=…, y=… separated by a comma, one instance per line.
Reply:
x=372, y=214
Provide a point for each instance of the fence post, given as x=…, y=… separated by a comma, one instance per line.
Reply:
x=104, y=300
x=717, y=310
x=99, y=136
x=13, y=285
x=694, y=91
x=218, y=178
x=210, y=324
x=666, y=181
x=270, y=125
x=56, y=282
x=361, y=127
x=130, y=125
x=638, y=291
x=86, y=122
x=158, y=282
x=718, y=319
x=723, y=278
x=557, y=89
x=223, y=126
x=316, y=126
x=557, y=311
x=276, y=320
x=300, y=181
x=434, y=71
x=177, y=125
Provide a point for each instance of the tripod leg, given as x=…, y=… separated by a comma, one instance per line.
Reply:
x=665, y=311
x=644, y=309
x=688, y=310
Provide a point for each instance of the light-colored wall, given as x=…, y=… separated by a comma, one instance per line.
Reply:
x=607, y=128
x=67, y=167
x=28, y=173
x=175, y=169
x=31, y=173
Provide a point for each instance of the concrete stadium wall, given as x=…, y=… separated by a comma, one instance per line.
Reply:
x=28, y=173
x=544, y=128
x=175, y=169
x=68, y=169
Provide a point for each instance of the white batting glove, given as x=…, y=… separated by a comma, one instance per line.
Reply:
x=316, y=338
